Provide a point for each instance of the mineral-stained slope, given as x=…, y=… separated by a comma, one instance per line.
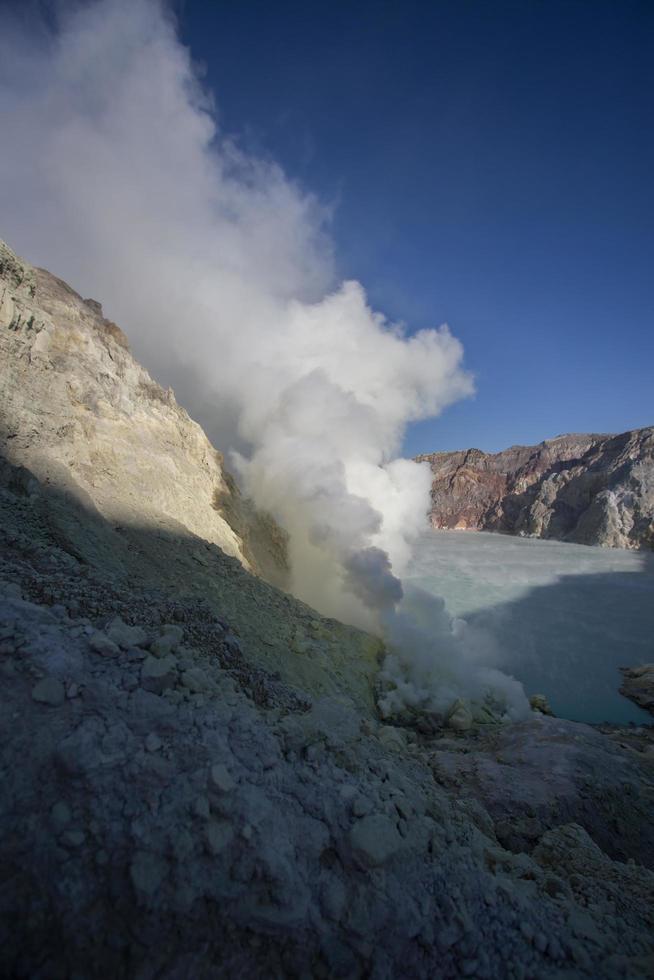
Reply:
x=195, y=780
x=592, y=489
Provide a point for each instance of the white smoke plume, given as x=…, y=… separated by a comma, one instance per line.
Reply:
x=114, y=173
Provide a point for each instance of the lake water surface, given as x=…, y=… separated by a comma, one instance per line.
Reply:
x=562, y=617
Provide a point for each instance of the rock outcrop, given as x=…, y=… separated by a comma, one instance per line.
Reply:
x=638, y=685
x=79, y=411
x=592, y=489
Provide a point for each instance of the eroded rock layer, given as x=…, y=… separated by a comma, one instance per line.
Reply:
x=592, y=489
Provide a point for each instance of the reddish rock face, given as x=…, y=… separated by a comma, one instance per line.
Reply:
x=593, y=489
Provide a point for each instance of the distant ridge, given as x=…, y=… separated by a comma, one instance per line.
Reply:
x=590, y=488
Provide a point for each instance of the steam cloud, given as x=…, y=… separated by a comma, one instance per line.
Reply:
x=114, y=173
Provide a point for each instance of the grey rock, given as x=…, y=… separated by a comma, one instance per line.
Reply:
x=100, y=643
x=333, y=898
x=125, y=636
x=157, y=675
x=73, y=838
x=167, y=643
x=539, y=702
x=148, y=872
x=12, y=590
x=172, y=630
x=202, y=807
x=375, y=840
x=196, y=680
x=153, y=743
x=61, y=814
x=361, y=806
x=220, y=778
x=459, y=718
x=393, y=738
x=50, y=691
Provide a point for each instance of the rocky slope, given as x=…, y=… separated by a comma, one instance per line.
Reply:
x=172, y=809
x=592, y=489
x=195, y=778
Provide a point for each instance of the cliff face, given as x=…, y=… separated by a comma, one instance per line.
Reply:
x=592, y=489
x=81, y=413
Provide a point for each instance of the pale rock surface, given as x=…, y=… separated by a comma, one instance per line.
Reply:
x=459, y=717
x=79, y=411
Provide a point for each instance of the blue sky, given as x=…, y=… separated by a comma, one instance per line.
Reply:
x=491, y=166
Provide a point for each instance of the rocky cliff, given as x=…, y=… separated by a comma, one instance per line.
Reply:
x=592, y=489
x=80, y=412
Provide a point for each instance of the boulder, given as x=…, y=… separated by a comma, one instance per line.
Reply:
x=158, y=674
x=126, y=636
x=459, y=717
x=50, y=691
x=375, y=840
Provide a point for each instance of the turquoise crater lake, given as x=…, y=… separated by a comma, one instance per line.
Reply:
x=561, y=618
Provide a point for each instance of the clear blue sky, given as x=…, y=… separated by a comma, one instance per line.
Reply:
x=492, y=166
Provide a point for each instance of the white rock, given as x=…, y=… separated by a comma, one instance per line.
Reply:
x=221, y=779
x=153, y=743
x=459, y=717
x=218, y=834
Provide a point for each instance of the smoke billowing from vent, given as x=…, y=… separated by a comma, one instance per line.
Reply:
x=115, y=174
